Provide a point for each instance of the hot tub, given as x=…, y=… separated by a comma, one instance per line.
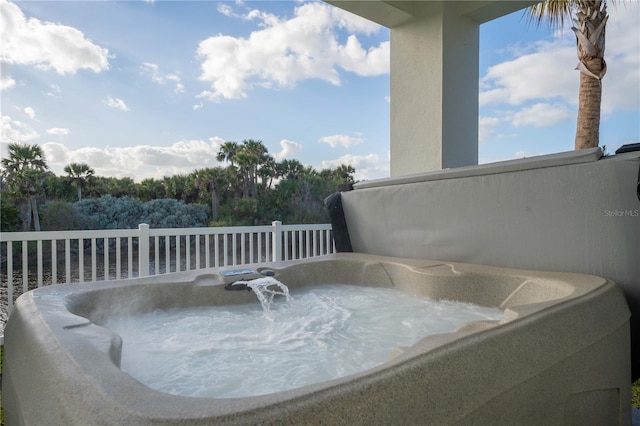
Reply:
x=558, y=355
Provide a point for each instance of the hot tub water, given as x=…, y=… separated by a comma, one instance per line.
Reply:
x=318, y=334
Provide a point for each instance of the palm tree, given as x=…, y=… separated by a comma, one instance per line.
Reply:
x=267, y=172
x=79, y=174
x=590, y=18
x=291, y=169
x=24, y=172
x=121, y=187
x=228, y=152
x=251, y=155
x=212, y=179
x=151, y=189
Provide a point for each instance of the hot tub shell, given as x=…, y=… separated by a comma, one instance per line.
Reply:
x=576, y=211
x=559, y=355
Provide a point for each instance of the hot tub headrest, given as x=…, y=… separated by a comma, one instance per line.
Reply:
x=333, y=204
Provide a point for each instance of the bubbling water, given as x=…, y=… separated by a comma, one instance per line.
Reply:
x=320, y=334
x=265, y=295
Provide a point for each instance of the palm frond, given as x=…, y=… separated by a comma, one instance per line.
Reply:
x=554, y=12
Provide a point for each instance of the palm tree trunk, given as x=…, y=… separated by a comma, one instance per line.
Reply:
x=36, y=217
x=25, y=214
x=215, y=203
x=587, y=131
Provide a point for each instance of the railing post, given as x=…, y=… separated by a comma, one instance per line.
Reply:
x=277, y=241
x=143, y=250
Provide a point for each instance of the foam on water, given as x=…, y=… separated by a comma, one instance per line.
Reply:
x=322, y=333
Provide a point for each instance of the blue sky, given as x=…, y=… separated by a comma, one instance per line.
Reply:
x=151, y=88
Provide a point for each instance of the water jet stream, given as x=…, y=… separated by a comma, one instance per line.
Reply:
x=265, y=295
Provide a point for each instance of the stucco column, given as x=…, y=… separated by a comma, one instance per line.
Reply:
x=434, y=76
x=434, y=90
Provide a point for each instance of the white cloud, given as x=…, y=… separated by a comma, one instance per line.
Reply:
x=286, y=51
x=6, y=82
x=621, y=85
x=225, y=9
x=216, y=142
x=140, y=161
x=486, y=126
x=545, y=71
x=367, y=167
x=152, y=71
x=31, y=113
x=55, y=91
x=58, y=131
x=542, y=115
x=288, y=149
x=545, y=74
x=116, y=103
x=29, y=41
x=16, y=131
x=343, y=140
x=374, y=61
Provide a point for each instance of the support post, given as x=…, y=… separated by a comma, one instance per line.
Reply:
x=434, y=90
x=143, y=250
x=276, y=241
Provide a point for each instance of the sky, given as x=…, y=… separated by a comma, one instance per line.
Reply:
x=147, y=89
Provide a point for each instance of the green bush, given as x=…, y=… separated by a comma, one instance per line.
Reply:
x=61, y=215
x=9, y=216
x=109, y=212
x=170, y=213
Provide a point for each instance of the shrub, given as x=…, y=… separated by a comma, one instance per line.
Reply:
x=9, y=216
x=109, y=212
x=60, y=215
x=170, y=213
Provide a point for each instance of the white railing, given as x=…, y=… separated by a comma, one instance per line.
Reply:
x=35, y=259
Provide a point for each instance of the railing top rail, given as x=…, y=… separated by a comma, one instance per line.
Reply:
x=112, y=233
x=61, y=235
x=209, y=230
x=310, y=227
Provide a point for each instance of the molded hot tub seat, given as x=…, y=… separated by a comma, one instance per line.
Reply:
x=559, y=355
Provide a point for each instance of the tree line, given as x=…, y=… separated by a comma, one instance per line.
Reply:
x=251, y=189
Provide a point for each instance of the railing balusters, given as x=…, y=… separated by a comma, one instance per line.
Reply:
x=129, y=257
x=54, y=261
x=81, y=260
x=9, y=274
x=234, y=241
x=225, y=250
x=156, y=258
x=39, y=254
x=167, y=253
x=276, y=242
x=187, y=253
x=242, y=248
x=216, y=247
x=207, y=250
x=25, y=266
x=67, y=259
x=118, y=258
x=197, y=251
x=94, y=263
x=105, y=258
